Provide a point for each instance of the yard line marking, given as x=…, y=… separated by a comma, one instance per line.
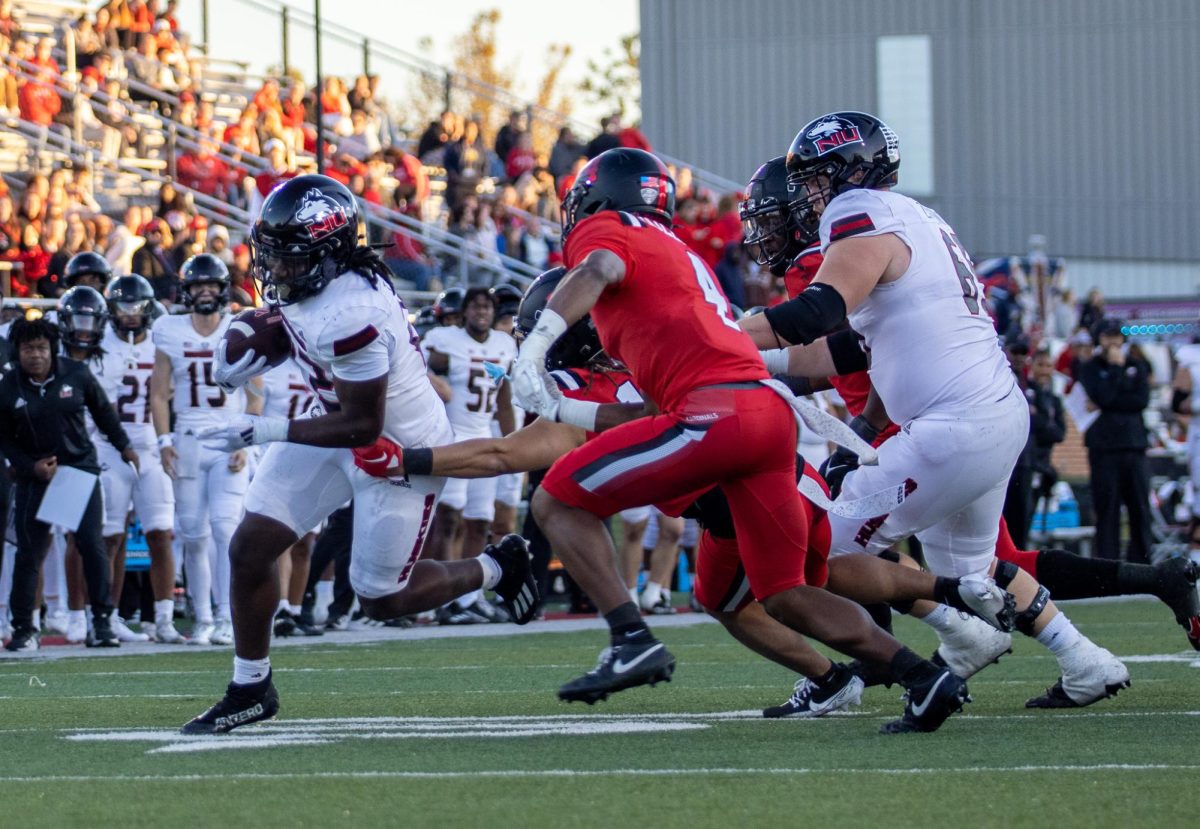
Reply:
x=585, y=773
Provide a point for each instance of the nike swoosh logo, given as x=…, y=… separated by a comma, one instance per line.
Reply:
x=620, y=667
x=919, y=710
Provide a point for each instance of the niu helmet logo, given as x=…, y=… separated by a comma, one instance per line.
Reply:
x=320, y=214
x=654, y=191
x=831, y=133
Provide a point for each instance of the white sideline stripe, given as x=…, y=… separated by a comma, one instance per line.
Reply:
x=583, y=773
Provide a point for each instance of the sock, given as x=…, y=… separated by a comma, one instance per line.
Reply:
x=1059, y=635
x=633, y=595
x=941, y=618
x=1068, y=576
x=1138, y=578
x=834, y=673
x=491, y=571
x=250, y=671
x=164, y=611
x=624, y=621
x=871, y=673
x=909, y=669
x=283, y=605
x=945, y=592
x=223, y=613
x=76, y=616
x=651, y=594
x=293, y=609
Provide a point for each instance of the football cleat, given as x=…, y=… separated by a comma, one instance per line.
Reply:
x=241, y=705
x=989, y=601
x=305, y=625
x=77, y=628
x=811, y=700
x=223, y=633
x=452, y=614
x=338, y=622
x=1090, y=674
x=166, y=634
x=1177, y=589
x=285, y=623
x=125, y=634
x=489, y=611
x=971, y=646
x=930, y=703
x=640, y=660
x=57, y=622
x=517, y=587
x=663, y=606
x=23, y=640
x=102, y=634
x=202, y=634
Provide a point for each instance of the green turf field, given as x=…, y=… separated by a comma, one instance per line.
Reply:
x=466, y=732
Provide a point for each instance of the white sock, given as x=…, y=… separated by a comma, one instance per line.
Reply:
x=1060, y=635
x=651, y=593
x=942, y=619
x=250, y=671
x=293, y=609
x=324, y=592
x=164, y=611
x=633, y=596
x=491, y=571
x=76, y=616
x=283, y=605
x=468, y=599
x=223, y=613
x=1194, y=555
x=37, y=620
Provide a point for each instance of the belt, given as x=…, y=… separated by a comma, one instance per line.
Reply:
x=748, y=384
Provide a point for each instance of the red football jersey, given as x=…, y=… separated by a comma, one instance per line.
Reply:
x=852, y=388
x=668, y=320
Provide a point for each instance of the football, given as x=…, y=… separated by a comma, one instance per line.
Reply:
x=260, y=330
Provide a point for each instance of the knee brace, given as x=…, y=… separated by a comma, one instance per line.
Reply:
x=1027, y=616
x=1006, y=571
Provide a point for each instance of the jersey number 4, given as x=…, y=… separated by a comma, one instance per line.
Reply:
x=972, y=293
x=712, y=294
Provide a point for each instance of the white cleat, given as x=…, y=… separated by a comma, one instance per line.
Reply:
x=202, y=634
x=77, y=629
x=989, y=601
x=1089, y=674
x=57, y=622
x=223, y=634
x=971, y=646
x=166, y=634
x=125, y=634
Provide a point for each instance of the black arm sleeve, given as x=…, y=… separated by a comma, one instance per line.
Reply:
x=845, y=347
x=104, y=414
x=817, y=310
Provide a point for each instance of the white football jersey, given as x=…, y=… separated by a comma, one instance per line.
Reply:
x=285, y=391
x=932, y=344
x=198, y=402
x=124, y=373
x=472, y=404
x=353, y=331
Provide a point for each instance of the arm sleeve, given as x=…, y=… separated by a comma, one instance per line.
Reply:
x=103, y=413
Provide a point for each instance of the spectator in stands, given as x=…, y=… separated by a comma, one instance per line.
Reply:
x=634, y=137
x=124, y=241
x=362, y=142
x=564, y=153
x=244, y=134
x=39, y=101
x=43, y=56
x=202, y=170
x=10, y=103
x=1117, y=382
x=189, y=242
x=335, y=106
x=34, y=262
x=169, y=14
x=282, y=168
x=145, y=68
x=535, y=247
x=240, y=277
x=506, y=137
x=607, y=139
x=141, y=22
x=218, y=243
x=267, y=97
x=436, y=136
x=412, y=182
x=1091, y=314
x=115, y=115
x=731, y=273
x=466, y=163
x=153, y=262
x=1049, y=425
x=101, y=68
x=76, y=241
x=10, y=228
x=294, y=116
x=1018, y=501
x=9, y=27
x=521, y=158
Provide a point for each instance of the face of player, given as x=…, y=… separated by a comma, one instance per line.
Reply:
x=480, y=313
x=505, y=324
x=34, y=357
x=130, y=317
x=766, y=236
x=452, y=320
x=205, y=295
x=1042, y=369
x=816, y=192
x=91, y=280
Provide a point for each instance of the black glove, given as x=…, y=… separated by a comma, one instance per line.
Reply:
x=836, y=467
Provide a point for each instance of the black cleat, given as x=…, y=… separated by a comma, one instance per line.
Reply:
x=102, y=635
x=517, y=587
x=285, y=623
x=23, y=640
x=812, y=700
x=1177, y=589
x=930, y=703
x=305, y=625
x=642, y=661
x=241, y=705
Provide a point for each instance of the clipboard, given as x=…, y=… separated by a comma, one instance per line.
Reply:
x=67, y=497
x=1075, y=402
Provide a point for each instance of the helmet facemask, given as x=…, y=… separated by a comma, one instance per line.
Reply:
x=130, y=318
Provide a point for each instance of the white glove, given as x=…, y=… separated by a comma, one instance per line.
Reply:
x=242, y=431
x=531, y=360
x=537, y=392
x=549, y=402
x=232, y=376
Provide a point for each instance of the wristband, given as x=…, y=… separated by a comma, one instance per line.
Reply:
x=776, y=360
x=270, y=429
x=166, y=440
x=418, y=461
x=550, y=326
x=863, y=428
x=581, y=413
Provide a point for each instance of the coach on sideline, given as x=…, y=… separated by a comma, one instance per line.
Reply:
x=43, y=426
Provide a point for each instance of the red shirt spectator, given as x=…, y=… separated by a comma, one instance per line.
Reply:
x=520, y=158
x=203, y=171
x=143, y=18
x=634, y=137
x=39, y=102
x=35, y=262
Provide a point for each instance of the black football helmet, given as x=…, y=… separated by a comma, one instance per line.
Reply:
x=131, y=306
x=425, y=321
x=770, y=235
x=449, y=303
x=87, y=264
x=82, y=313
x=508, y=299
x=838, y=152
x=303, y=238
x=579, y=347
x=204, y=269
x=620, y=179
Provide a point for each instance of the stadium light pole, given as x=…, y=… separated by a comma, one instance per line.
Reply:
x=317, y=90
